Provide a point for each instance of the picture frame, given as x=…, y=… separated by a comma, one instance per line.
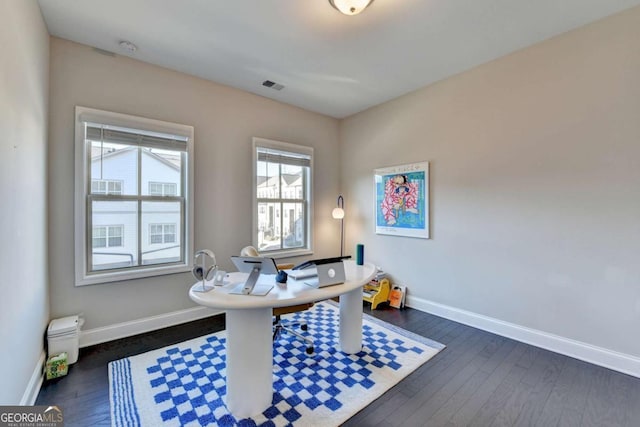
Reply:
x=402, y=200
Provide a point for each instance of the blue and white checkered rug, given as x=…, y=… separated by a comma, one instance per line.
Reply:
x=184, y=384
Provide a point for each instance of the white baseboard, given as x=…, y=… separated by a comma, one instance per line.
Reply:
x=139, y=326
x=589, y=353
x=35, y=382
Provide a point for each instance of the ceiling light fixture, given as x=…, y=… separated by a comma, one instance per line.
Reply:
x=128, y=46
x=350, y=7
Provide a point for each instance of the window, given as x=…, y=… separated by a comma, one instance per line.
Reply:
x=283, y=203
x=136, y=173
x=106, y=186
x=108, y=236
x=162, y=233
x=163, y=189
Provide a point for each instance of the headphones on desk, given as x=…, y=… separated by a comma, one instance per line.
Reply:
x=201, y=272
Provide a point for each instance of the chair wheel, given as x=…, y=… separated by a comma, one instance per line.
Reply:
x=304, y=327
x=310, y=350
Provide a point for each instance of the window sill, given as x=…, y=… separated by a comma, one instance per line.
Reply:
x=286, y=253
x=119, y=276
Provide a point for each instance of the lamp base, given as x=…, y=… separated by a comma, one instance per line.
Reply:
x=202, y=288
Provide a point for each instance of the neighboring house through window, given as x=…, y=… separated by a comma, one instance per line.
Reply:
x=162, y=233
x=283, y=202
x=136, y=173
x=109, y=236
x=106, y=186
x=163, y=189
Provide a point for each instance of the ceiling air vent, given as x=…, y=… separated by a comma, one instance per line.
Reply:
x=272, y=85
x=103, y=52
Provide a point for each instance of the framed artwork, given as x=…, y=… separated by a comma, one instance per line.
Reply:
x=402, y=200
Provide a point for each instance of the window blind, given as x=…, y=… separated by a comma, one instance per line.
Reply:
x=283, y=157
x=108, y=134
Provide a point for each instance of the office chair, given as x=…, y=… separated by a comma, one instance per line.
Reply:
x=280, y=325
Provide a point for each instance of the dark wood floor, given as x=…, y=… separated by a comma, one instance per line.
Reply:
x=480, y=379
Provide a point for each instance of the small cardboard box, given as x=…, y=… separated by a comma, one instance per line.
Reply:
x=57, y=366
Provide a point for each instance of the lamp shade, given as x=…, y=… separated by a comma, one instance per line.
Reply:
x=350, y=7
x=249, y=251
x=337, y=213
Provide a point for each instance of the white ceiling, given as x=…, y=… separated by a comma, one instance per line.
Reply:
x=329, y=63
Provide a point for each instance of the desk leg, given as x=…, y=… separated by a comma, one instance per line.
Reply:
x=249, y=361
x=351, y=321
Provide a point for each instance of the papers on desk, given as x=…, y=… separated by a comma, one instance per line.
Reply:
x=305, y=273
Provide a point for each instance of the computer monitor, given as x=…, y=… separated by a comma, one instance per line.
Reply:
x=255, y=266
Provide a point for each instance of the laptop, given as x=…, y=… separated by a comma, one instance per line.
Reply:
x=328, y=275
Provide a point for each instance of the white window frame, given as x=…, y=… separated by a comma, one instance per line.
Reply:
x=292, y=148
x=83, y=187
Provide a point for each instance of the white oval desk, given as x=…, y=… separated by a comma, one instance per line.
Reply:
x=249, y=330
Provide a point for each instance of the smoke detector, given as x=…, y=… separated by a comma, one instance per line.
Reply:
x=128, y=46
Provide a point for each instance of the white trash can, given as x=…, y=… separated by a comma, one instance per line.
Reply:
x=63, y=336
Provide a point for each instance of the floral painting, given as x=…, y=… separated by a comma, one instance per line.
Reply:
x=402, y=200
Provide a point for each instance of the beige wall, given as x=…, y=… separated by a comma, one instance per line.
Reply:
x=24, y=304
x=224, y=119
x=534, y=182
x=535, y=186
